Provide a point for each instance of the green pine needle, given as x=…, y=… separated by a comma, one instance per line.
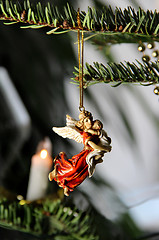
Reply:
x=46, y=218
x=141, y=24
x=145, y=73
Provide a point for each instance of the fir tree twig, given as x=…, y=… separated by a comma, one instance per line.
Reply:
x=127, y=22
x=46, y=218
x=145, y=73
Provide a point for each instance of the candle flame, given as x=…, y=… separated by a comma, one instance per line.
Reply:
x=43, y=154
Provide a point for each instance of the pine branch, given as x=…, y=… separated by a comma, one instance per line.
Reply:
x=48, y=218
x=145, y=73
x=107, y=22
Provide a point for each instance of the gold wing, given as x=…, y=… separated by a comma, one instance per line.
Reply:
x=70, y=121
x=69, y=132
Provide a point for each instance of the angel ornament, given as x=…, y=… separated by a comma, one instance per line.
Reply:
x=69, y=173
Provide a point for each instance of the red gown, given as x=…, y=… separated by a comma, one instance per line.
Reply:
x=72, y=172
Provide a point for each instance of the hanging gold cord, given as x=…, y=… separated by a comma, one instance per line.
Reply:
x=80, y=60
x=81, y=82
x=79, y=55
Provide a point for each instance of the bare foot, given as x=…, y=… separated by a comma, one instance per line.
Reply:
x=52, y=175
x=66, y=191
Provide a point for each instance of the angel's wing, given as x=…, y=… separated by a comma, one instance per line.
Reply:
x=70, y=121
x=69, y=132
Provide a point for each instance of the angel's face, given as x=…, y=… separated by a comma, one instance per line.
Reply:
x=87, y=123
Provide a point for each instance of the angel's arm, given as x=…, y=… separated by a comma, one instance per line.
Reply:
x=93, y=131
